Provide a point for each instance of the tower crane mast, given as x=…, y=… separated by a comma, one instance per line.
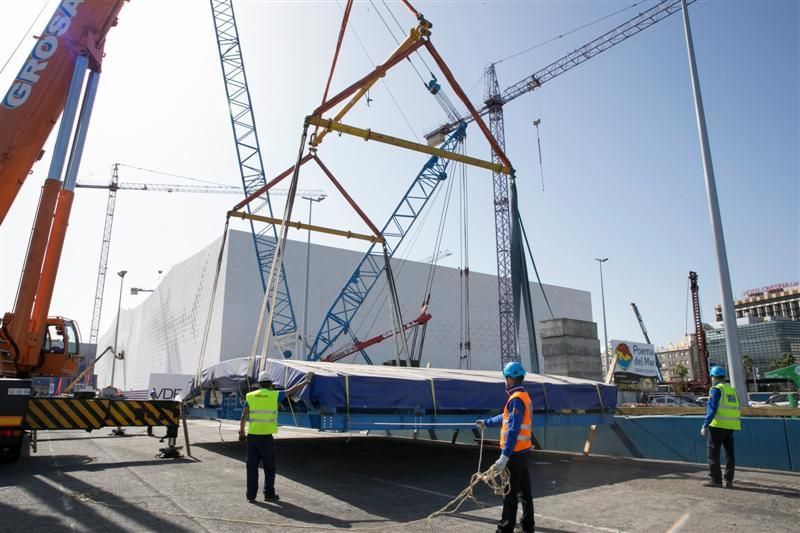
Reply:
x=566, y=63
x=503, y=186
x=114, y=186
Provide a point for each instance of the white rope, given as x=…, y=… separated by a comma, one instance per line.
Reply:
x=497, y=480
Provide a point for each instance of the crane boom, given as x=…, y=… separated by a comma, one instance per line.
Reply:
x=203, y=189
x=362, y=345
x=251, y=166
x=37, y=95
x=621, y=33
x=641, y=323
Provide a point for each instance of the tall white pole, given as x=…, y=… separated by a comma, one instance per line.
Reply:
x=735, y=368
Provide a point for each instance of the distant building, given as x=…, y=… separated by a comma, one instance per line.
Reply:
x=763, y=339
x=680, y=353
x=779, y=300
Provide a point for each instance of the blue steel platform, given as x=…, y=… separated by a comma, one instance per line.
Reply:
x=345, y=397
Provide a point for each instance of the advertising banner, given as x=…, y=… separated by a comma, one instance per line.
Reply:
x=635, y=358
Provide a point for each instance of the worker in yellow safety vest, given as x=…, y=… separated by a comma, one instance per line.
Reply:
x=723, y=417
x=515, y=443
x=261, y=412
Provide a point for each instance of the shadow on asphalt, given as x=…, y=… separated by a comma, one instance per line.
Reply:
x=76, y=499
x=403, y=480
x=754, y=487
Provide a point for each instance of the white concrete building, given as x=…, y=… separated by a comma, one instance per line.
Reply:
x=164, y=333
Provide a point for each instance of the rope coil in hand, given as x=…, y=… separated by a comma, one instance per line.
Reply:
x=499, y=481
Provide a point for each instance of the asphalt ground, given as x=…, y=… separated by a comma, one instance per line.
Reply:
x=95, y=482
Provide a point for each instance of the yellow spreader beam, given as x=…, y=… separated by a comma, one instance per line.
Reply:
x=369, y=135
x=300, y=225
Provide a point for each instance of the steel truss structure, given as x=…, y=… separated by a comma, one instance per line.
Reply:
x=340, y=315
x=251, y=166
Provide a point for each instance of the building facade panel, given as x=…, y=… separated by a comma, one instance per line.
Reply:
x=164, y=333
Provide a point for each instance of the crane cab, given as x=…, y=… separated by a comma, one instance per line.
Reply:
x=61, y=347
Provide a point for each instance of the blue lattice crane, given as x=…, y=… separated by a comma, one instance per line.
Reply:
x=251, y=166
x=347, y=303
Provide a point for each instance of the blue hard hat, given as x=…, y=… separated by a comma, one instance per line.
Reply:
x=514, y=370
x=717, y=372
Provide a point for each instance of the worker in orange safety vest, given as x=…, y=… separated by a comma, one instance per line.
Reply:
x=515, y=441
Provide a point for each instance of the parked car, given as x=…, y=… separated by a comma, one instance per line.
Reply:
x=758, y=397
x=674, y=401
x=702, y=400
x=778, y=400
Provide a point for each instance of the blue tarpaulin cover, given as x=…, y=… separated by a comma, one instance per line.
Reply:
x=338, y=387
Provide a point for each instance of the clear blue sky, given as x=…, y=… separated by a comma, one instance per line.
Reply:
x=622, y=166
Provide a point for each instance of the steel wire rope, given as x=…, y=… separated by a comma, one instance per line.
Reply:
x=426, y=298
x=402, y=29
x=383, y=81
x=465, y=336
x=570, y=32
x=533, y=262
x=396, y=40
x=441, y=98
x=172, y=175
x=403, y=261
x=25, y=36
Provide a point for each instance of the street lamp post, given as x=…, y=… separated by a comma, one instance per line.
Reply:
x=121, y=275
x=311, y=200
x=733, y=348
x=603, y=298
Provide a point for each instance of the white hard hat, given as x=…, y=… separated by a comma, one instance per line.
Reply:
x=264, y=376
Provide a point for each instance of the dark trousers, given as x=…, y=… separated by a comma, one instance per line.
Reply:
x=520, y=490
x=260, y=449
x=720, y=438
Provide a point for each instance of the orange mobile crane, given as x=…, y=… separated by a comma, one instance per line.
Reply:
x=53, y=82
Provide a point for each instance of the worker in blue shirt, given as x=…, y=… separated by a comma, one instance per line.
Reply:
x=515, y=443
x=723, y=418
x=261, y=413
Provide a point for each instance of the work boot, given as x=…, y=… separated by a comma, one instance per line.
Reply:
x=729, y=484
x=271, y=498
x=712, y=483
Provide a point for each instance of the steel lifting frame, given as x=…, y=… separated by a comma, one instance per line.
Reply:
x=346, y=305
x=251, y=166
x=375, y=237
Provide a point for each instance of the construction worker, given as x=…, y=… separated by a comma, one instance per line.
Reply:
x=515, y=442
x=261, y=411
x=723, y=417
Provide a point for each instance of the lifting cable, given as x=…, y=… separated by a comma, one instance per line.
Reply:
x=530, y=254
x=432, y=86
x=179, y=176
x=25, y=36
x=437, y=246
x=403, y=261
x=465, y=339
x=383, y=81
x=557, y=37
